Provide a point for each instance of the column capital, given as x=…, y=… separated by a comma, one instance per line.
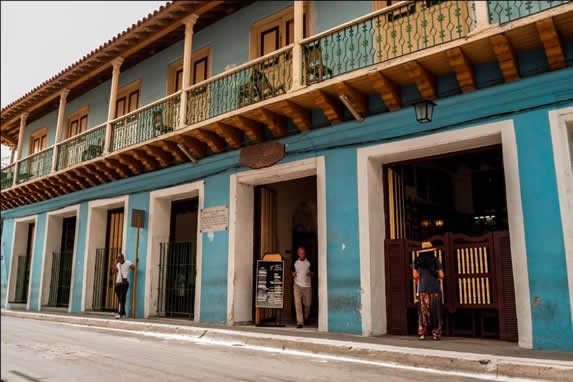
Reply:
x=24, y=116
x=64, y=93
x=190, y=20
x=116, y=62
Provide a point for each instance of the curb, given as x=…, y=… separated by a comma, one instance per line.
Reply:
x=493, y=366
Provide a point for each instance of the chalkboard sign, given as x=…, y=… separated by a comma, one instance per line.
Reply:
x=270, y=284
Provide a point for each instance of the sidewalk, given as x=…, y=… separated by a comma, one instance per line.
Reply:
x=491, y=357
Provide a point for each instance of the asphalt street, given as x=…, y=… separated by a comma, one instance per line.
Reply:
x=47, y=351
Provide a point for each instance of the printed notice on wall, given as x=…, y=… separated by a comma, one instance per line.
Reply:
x=214, y=219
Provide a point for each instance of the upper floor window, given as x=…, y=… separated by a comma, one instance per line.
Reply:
x=275, y=32
x=38, y=141
x=200, y=70
x=77, y=123
x=127, y=99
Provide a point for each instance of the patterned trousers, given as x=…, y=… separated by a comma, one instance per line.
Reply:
x=430, y=314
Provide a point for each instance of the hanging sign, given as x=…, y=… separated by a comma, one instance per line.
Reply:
x=262, y=155
x=214, y=219
x=270, y=284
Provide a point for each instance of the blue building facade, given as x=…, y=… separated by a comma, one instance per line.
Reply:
x=347, y=158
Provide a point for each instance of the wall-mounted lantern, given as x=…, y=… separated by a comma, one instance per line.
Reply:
x=424, y=110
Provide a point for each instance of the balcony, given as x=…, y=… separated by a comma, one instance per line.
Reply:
x=409, y=43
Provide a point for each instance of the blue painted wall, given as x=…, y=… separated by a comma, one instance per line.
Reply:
x=50, y=121
x=6, y=253
x=37, y=259
x=96, y=100
x=550, y=307
x=215, y=255
x=78, y=277
x=328, y=14
x=139, y=201
x=342, y=242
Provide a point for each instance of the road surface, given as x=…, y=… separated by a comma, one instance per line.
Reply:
x=47, y=351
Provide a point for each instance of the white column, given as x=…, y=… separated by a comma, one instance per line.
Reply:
x=482, y=15
x=297, y=47
x=116, y=64
x=23, y=118
x=189, y=22
x=12, y=152
x=59, y=127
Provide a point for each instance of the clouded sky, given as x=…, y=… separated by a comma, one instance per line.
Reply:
x=39, y=39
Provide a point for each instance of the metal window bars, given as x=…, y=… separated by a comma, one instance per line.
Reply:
x=104, y=298
x=501, y=12
x=61, y=278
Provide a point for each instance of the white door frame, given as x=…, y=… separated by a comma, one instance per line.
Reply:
x=18, y=224
x=52, y=242
x=241, y=219
x=159, y=226
x=94, y=236
x=372, y=224
x=559, y=121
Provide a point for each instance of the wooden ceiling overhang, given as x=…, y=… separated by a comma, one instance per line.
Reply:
x=148, y=36
x=268, y=118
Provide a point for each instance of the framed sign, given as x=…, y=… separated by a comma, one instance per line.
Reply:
x=214, y=219
x=270, y=284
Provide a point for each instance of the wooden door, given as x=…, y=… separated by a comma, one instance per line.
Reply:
x=114, y=244
x=66, y=261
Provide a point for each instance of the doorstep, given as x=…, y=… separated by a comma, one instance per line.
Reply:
x=461, y=354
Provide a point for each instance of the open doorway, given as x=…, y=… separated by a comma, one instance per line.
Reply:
x=456, y=201
x=285, y=217
x=19, y=282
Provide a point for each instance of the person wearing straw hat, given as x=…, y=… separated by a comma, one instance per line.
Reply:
x=427, y=272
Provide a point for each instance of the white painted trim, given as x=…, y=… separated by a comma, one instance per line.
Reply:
x=371, y=209
x=195, y=189
x=558, y=121
x=274, y=174
x=107, y=204
x=63, y=212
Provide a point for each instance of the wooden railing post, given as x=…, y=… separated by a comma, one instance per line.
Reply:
x=297, y=70
x=23, y=118
x=189, y=22
x=116, y=63
x=481, y=15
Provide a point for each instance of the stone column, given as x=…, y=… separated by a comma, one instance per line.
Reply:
x=189, y=22
x=297, y=77
x=116, y=64
x=59, y=127
x=23, y=118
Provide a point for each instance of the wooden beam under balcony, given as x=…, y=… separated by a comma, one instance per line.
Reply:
x=425, y=81
x=277, y=124
x=81, y=173
x=505, y=57
x=173, y=150
x=357, y=99
x=463, y=68
x=163, y=158
x=212, y=140
x=131, y=163
x=231, y=135
x=118, y=168
x=300, y=116
x=148, y=161
x=252, y=129
x=388, y=90
x=99, y=176
x=330, y=106
x=551, y=43
x=102, y=167
x=196, y=148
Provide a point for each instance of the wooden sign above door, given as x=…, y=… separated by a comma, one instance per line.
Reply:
x=262, y=155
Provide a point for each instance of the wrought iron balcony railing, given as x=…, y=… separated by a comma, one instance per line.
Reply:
x=80, y=148
x=392, y=32
x=7, y=176
x=504, y=11
x=150, y=121
x=35, y=165
x=255, y=81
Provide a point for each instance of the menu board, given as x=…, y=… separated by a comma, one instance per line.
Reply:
x=270, y=284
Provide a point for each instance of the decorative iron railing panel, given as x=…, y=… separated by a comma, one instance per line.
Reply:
x=505, y=11
x=146, y=123
x=177, y=271
x=84, y=147
x=61, y=279
x=104, y=298
x=399, y=31
x=253, y=82
x=22, y=279
x=36, y=165
x=7, y=176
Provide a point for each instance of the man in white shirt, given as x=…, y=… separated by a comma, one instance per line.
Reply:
x=302, y=271
x=122, y=268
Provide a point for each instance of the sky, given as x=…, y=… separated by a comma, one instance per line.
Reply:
x=40, y=38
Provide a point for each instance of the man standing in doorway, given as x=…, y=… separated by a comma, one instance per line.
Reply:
x=122, y=268
x=302, y=273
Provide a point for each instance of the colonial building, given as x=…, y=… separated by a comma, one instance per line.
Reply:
x=211, y=133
